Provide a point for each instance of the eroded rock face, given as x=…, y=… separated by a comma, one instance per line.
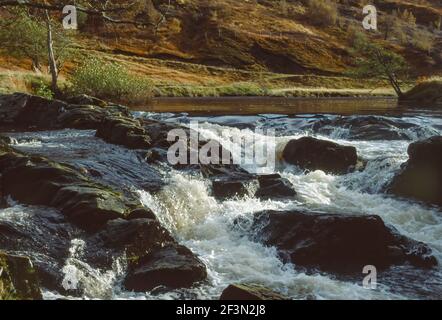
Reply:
x=341, y=244
x=250, y=292
x=313, y=154
x=420, y=178
x=18, y=279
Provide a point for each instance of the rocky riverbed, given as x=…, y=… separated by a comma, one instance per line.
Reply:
x=91, y=208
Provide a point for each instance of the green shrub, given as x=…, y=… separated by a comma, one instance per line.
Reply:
x=110, y=81
x=422, y=40
x=322, y=12
x=43, y=89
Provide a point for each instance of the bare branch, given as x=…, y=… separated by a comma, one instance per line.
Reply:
x=102, y=12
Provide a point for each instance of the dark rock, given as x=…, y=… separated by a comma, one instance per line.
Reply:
x=141, y=213
x=127, y=132
x=229, y=187
x=239, y=292
x=154, y=257
x=341, y=244
x=369, y=128
x=173, y=266
x=420, y=178
x=38, y=181
x=313, y=154
x=137, y=238
x=274, y=186
x=45, y=237
x=26, y=111
x=84, y=99
x=88, y=206
x=18, y=279
x=81, y=117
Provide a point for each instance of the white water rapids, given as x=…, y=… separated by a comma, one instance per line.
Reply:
x=205, y=225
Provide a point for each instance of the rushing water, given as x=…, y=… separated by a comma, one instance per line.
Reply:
x=185, y=206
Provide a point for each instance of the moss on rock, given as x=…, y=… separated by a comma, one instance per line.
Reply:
x=18, y=279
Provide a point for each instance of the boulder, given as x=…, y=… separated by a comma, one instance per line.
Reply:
x=154, y=258
x=250, y=292
x=229, y=187
x=173, y=266
x=125, y=131
x=420, y=178
x=27, y=112
x=18, y=279
x=21, y=110
x=313, y=154
x=341, y=244
x=273, y=186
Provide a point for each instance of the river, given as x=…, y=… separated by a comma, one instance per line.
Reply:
x=206, y=225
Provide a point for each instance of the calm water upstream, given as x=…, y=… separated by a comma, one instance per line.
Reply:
x=204, y=224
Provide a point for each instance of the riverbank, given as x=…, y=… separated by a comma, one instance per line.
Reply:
x=233, y=83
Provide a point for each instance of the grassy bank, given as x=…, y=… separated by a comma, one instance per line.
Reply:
x=428, y=92
x=271, y=86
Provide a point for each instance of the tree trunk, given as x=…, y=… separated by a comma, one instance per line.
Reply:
x=389, y=73
x=51, y=57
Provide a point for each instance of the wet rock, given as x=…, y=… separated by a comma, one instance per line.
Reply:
x=314, y=154
x=38, y=181
x=173, y=266
x=21, y=110
x=420, y=178
x=274, y=186
x=141, y=213
x=127, y=132
x=230, y=187
x=42, y=234
x=369, y=128
x=341, y=244
x=136, y=238
x=89, y=206
x=158, y=132
x=18, y=279
x=238, y=292
x=154, y=258
x=81, y=117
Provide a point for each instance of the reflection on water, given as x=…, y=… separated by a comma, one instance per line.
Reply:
x=276, y=105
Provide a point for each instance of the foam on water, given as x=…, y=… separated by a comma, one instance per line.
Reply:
x=207, y=226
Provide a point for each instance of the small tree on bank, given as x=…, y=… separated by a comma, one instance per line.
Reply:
x=373, y=60
x=40, y=33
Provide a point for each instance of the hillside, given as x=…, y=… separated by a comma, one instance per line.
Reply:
x=272, y=43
